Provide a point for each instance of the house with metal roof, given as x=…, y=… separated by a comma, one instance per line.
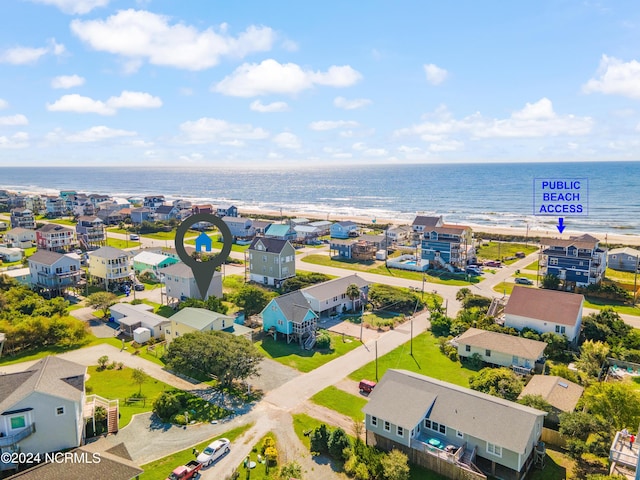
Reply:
x=494, y=348
x=150, y=262
x=191, y=319
x=130, y=317
x=291, y=316
x=544, y=311
x=42, y=407
x=431, y=418
x=330, y=297
x=280, y=231
x=562, y=394
x=271, y=261
x=180, y=283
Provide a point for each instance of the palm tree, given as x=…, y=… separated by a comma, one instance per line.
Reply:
x=353, y=292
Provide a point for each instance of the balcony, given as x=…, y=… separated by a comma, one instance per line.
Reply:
x=11, y=440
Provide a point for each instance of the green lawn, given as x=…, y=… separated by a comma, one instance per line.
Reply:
x=160, y=235
x=117, y=243
x=118, y=230
x=260, y=471
x=292, y=355
x=63, y=221
x=599, y=303
x=341, y=401
x=118, y=384
x=162, y=467
x=500, y=250
x=558, y=466
x=426, y=360
x=380, y=268
x=620, y=276
x=530, y=276
x=532, y=266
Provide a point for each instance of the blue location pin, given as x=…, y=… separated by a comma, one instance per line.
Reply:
x=203, y=271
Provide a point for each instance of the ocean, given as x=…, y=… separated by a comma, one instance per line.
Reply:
x=499, y=195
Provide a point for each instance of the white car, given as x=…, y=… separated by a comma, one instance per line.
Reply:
x=214, y=451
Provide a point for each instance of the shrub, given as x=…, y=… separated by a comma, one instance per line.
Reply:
x=167, y=405
x=271, y=454
x=362, y=472
x=268, y=442
x=102, y=362
x=179, y=419
x=120, y=366
x=475, y=361
x=318, y=439
x=337, y=443
x=323, y=341
x=112, y=365
x=136, y=301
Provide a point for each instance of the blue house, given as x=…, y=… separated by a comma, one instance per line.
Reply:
x=203, y=241
x=344, y=230
x=227, y=211
x=577, y=262
x=447, y=245
x=291, y=316
x=281, y=232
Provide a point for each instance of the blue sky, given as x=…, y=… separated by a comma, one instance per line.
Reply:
x=165, y=82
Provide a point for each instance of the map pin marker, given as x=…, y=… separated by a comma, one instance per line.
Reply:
x=203, y=271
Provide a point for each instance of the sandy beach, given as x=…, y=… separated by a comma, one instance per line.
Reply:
x=605, y=239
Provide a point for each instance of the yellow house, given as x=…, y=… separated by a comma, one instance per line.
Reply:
x=191, y=319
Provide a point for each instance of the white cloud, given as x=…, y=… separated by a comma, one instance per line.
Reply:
x=406, y=149
x=75, y=7
x=290, y=45
x=80, y=104
x=446, y=146
x=534, y=120
x=435, y=74
x=3, y=104
x=616, y=77
x=29, y=55
x=375, y=152
x=13, y=120
x=139, y=34
x=287, y=140
x=97, y=134
x=258, y=106
x=270, y=76
x=323, y=125
x=17, y=140
x=206, y=130
x=342, y=102
x=233, y=143
x=67, y=81
x=359, y=146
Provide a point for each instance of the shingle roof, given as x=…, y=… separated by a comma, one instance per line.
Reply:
x=164, y=209
x=109, y=252
x=559, y=392
x=53, y=227
x=335, y=287
x=632, y=252
x=198, y=318
x=51, y=375
x=271, y=245
x=404, y=398
x=115, y=464
x=545, y=305
x=19, y=231
x=89, y=218
x=294, y=305
x=501, y=342
x=585, y=241
x=46, y=257
x=426, y=221
x=179, y=270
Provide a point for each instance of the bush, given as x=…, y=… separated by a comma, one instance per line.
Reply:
x=271, y=455
x=102, y=362
x=318, y=439
x=268, y=442
x=179, y=419
x=337, y=443
x=112, y=365
x=323, y=341
x=136, y=301
x=167, y=405
x=362, y=472
x=475, y=361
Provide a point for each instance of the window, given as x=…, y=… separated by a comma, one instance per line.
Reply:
x=443, y=429
x=560, y=329
x=459, y=434
x=60, y=411
x=494, y=449
x=413, y=433
x=434, y=426
x=167, y=332
x=467, y=348
x=553, y=261
x=18, y=422
x=427, y=423
x=374, y=421
x=487, y=353
x=515, y=360
x=400, y=431
x=387, y=427
x=264, y=258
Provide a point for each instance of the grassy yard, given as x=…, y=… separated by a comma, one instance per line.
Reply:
x=160, y=235
x=599, y=303
x=501, y=250
x=558, y=466
x=162, y=467
x=216, y=245
x=530, y=276
x=260, y=471
x=379, y=268
x=232, y=284
x=532, y=266
x=118, y=384
x=117, y=243
x=292, y=355
x=341, y=401
x=619, y=276
x=426, y=360
x=63, y=221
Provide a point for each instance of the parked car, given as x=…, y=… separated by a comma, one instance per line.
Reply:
x=134, y=236
x=185, y=472
x=366, y=386
x=524, y=281
x=520, y=254
x=492, y=263
x=138, y=287
x=214, y=451
x=473, y=271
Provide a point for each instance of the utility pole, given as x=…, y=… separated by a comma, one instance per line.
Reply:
x=411, y=342
x=635, y=281
x=376, y=360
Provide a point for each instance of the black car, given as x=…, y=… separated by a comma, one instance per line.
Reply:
x=138, y=287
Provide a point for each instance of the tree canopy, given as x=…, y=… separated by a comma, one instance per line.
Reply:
x=500, y=382
x=252, y=299
x=102, y=301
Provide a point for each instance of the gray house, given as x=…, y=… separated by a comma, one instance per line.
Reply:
x=330, y=297
x=240, y=227
x=271, y=261
x=626, y=259
x=47, y=397
x=430, y=419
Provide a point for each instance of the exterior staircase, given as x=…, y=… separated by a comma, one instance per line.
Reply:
x=111, y=407
x=112, y=420
x=310, y=342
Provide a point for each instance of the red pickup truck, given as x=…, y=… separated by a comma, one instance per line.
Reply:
x=186, y=472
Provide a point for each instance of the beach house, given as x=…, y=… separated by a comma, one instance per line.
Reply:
x=227, y=210
x=90, y=232
x=110, y=267
x=447, y=245
x=53, y=272
x=55, y=207
x=191, y=319
x=181, y=284
x=545, y=311
x=21, y=237
x=330, y=297
x=240, y=227
x=578, y=261
x=434, y=422
x=131, y=317
x=152, y=202
x=292, y=317
x=271, y=261
x=626, y=259
x=422, y=223
x=343, y=230
x=281, y=232
x=56, y=238
x=150, y=262
x=22, y=218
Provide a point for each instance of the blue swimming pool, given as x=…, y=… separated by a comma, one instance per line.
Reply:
x=410, y=262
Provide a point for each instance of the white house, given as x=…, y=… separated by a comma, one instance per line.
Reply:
x=545, y=311
x=181, y=284
x=330, y=297
x=130, y=317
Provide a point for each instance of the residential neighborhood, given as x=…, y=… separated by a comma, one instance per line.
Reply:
x=344, y=294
